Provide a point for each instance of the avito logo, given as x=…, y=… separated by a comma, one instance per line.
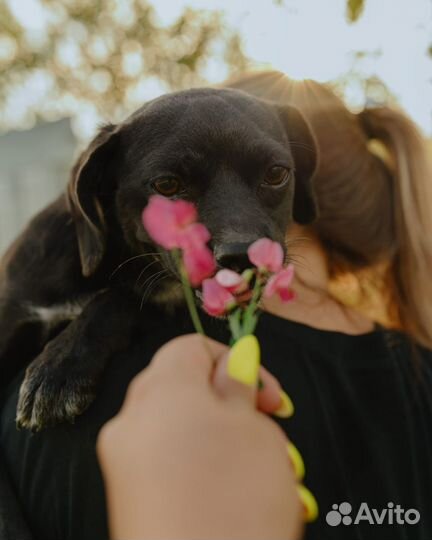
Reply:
x=391, y=515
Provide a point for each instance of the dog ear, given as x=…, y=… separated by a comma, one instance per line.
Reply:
x=304, y=150
x=83, y=194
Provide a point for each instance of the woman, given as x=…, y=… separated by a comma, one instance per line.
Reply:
x=374, y=193
x=362, y=393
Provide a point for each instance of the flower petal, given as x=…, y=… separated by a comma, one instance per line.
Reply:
x=216, y=299
x=199, y=264
x=266, y=255
x=230, y=280
x=165, y=220
x=184, y=212
x=280, y=284
x=194, y=236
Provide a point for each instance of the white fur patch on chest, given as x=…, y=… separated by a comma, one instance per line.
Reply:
x=55, y=314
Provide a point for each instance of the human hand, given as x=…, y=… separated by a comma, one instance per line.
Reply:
x=190, y=456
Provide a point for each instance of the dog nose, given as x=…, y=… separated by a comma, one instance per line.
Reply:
x=233, y=256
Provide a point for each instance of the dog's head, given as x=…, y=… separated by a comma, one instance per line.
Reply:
x=245, y=163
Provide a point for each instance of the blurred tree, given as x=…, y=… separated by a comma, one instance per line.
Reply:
x=361, y=89
x=96, y=59
x=354, y=9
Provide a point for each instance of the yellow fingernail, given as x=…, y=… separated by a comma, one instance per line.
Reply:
x=286, y=408
x=309, y=503
x=244, y=361
x=297, y=461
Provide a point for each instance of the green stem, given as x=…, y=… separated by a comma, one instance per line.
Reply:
x=189, y=295
x=250, y=318
x=234, y=324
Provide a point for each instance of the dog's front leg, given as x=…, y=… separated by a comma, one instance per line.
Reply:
x=14, y=317
x=61, y=382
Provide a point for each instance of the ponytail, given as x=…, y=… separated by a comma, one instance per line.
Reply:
x=409, y=277
x=374, y=190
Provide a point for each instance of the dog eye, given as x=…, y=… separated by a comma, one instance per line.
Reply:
x=276, y=176
x=168, y=187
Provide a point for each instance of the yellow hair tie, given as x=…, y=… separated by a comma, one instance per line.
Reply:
x=380, y=150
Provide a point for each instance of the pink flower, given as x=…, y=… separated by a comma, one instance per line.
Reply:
x=266, y=255
x=194, y=236
x=166, y=220
x=231, y=281
x=279, y=284
x=172, y=224
x=198, y=259
x=199, y=263
x=216, y=299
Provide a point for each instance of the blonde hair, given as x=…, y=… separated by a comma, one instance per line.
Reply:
x=374, y=192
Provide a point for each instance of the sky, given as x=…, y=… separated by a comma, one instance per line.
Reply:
x=312, y=39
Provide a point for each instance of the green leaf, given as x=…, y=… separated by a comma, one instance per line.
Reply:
x=354, y=9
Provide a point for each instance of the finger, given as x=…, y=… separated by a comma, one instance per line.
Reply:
x=309, y=503
x=189, y=357
x=296, y=461
x=270, y=398
x=237, y=372
x=269, y=392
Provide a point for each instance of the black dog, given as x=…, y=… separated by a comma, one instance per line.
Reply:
x=68, y=286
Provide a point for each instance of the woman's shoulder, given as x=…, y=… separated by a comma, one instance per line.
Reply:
x=375, y=349
x=404, y=347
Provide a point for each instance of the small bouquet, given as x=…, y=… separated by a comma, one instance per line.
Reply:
x=174, y=226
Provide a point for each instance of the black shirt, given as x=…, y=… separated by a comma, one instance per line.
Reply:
x=363, y=423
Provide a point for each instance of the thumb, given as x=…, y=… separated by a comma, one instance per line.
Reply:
x=236, y=374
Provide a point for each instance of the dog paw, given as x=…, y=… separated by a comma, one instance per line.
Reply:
x=53, y=392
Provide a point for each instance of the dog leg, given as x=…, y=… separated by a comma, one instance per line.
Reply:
x=13, y=315
x=20, y=336
x=61, y=382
